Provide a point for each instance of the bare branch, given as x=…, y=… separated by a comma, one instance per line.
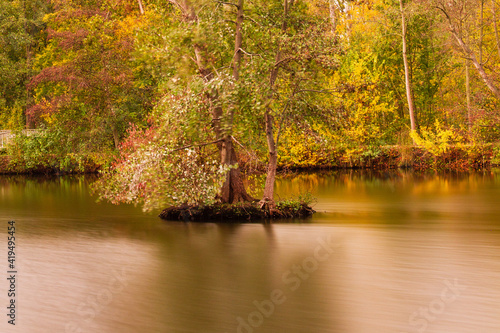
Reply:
x=228, y=3
x=198, y=145
x=232, y=137
x=251, y=19
x=282, y=60
x=248, y=53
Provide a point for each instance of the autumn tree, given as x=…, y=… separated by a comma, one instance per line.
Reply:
x=457, y=14
x=88, y=89
x=228, y=72
x=373, y=97
x=302, y=52
x=196, y=50
x=473, y=39
x=22, y=37
x=408, y=85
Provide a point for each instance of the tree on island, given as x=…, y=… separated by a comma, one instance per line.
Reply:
x=220, y=88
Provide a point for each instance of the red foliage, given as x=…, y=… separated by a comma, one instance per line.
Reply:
x=68, y=40
x=66, y=74
x=136, y=137
x=34, y=112
x=64, y=14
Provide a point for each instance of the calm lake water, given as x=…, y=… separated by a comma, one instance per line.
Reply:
x=386, y=252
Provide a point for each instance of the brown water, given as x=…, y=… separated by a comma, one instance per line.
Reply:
x=388, y=252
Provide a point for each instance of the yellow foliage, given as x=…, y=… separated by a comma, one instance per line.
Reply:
x=299, y=148
x=436, y=139
x=127, y=26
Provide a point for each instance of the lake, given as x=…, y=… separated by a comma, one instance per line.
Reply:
x=391, y=251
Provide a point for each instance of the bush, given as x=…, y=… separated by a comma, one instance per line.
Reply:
x=30, y=151
x=43, y=152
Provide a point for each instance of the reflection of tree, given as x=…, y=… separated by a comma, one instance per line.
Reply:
x=57, y=205
x=361, y=181
x=213, y=273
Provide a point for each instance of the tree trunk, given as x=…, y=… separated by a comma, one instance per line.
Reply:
x=481, y=32
x=467, y=92
x=333, y=20
x=237, y=191
x=469, y=53
x=269, y=121
x=238, y=41
x=141, y=8
x=494, y=11
x=407, y=71
x=116, y=138
x=273, y=159
x=29, y=123
x=233, y=189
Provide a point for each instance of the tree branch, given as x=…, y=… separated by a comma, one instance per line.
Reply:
x=198, y=145
x=141, y=8
x=228, y=3
x=251, y=19
x=282, y=60
x=237, y=142
x=250, y=54
x=324, y=91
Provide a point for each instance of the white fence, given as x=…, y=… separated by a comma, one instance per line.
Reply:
x=7, y=135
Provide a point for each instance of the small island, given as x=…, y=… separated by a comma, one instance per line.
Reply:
x=241, y=212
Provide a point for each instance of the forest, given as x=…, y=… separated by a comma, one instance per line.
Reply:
x=174, y=99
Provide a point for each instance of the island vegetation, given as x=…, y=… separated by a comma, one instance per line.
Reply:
x=173, y=100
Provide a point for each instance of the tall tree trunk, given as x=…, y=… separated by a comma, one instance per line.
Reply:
x=28, y=122
x=227, y=149
x=407, y=71
x=233, y=189
x=470, y=54
x=141, y=8
x=481, y=32
x=269, y=120
x=333, y=19
x=494, y=11
x=238, y=42
x=273, y=159
x=467, y=93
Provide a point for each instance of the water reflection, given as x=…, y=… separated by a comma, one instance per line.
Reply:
x=390, y=252
x=401, y=196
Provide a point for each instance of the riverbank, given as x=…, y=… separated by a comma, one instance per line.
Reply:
x=453, y=158
x=52, y=165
